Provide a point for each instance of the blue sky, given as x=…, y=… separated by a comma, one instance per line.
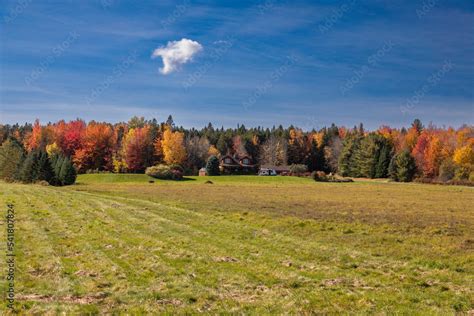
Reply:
x=307, y=63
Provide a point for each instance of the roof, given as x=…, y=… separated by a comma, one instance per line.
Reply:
x=235, y=161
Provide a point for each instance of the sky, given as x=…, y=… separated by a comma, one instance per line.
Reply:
x=258, y=63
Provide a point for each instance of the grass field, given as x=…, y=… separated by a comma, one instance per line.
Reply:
x=258, y=245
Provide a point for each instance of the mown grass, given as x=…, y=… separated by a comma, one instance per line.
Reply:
x=260, y=245
x=142, y=178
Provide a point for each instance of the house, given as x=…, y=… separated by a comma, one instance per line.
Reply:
x=202, y=172
x=235, y=164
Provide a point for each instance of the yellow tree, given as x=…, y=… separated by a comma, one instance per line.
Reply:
x=53, y=149
x=464, y=156
x=213, y=151
x=172, y=146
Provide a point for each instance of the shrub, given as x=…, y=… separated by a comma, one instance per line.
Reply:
x=447, y=170
x=319, y=176
x=212, y=166
x=449, y=182
x=164, y=172
x=462, y=173
x=298, y=168
x=159, y=172
x=177, y=172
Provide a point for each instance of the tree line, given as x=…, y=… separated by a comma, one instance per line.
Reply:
x=441, y=154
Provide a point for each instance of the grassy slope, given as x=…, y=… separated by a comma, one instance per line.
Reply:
x=255, y=244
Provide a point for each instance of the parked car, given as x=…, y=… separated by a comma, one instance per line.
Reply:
x=267, y=172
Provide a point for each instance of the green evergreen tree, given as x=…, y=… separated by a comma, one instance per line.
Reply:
x=12, y=155
x=405, y=167
x=348, y=158
x=366, y=157
x=222, y=145
x=392, y=168
x=417, y=125
x=58, y=162
x=29, y=170
x=373, y=156
x=67, y=174
x=295, y=153
x=322, y=164
x=381, y=170
x=312, y=157
x=212, y=166
x=45, y=171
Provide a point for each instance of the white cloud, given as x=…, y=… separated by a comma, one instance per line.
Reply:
x=176, y=53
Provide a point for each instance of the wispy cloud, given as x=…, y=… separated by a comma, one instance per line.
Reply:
x=176, y=53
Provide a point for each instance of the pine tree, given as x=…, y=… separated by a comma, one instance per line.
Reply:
x=366, y=157
x=392, y=168
x=57, y=168
x=296, y=148
x=68, y=172
x=45, y=171
x=312, y=157
x=170, y=122
x=212, y=166
x=406, y=166
x=417, y=125
x=222, y=145
x=29, y=170
x=381, y=170
x=348, y=158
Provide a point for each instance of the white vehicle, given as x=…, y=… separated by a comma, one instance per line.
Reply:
x=267, y=172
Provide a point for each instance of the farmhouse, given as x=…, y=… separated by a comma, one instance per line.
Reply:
x=235, y=164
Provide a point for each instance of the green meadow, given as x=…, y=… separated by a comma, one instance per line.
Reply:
x=241, y=244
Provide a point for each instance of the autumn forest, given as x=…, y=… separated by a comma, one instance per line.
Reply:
x=426, y=153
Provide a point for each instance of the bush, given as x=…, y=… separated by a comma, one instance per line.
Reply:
x=319, y=176
x=447, y=170
x=177, y=172
x=449, y=182
x=298, y=168
x=462, y=173
x=164, y=172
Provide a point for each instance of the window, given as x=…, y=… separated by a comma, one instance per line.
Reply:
x=246, y=161
x=227, y=160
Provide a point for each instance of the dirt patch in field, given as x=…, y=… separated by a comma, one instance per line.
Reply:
x=225, y=259
x=83, y=300
x=171, y=301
